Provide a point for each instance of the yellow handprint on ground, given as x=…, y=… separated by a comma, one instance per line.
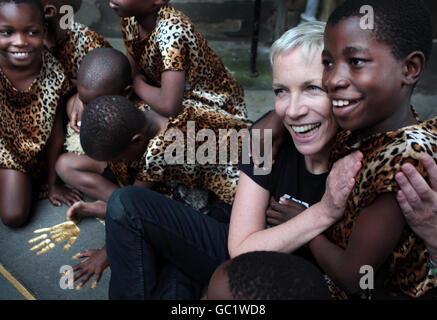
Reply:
x=58, y=233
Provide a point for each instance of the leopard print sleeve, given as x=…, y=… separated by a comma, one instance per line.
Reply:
x=172, y=39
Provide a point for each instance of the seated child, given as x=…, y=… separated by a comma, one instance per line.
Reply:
x=32, y=84
x=70, y=46
x=370, y=75
x=104, y=71
x=114, y=129
x=267, y=275
x=174, y=63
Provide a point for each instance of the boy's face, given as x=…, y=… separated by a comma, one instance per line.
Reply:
x=21, y=34
x=362, y=77
x=130, y=8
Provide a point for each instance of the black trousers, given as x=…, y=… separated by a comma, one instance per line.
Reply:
x=158, y=248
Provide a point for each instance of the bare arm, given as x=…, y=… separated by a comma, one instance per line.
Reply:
x=247, y=228
x=373, y=237
x=167, y=99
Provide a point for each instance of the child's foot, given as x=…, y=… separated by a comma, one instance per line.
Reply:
x=83, y=209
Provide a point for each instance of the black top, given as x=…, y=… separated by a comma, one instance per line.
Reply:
x=290, y=176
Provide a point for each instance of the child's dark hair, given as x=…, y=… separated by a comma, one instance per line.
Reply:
x=108, y=124
x=36, y=3
x=105, y=67
x=405, y=25
x=75, y=4
x=265, y=275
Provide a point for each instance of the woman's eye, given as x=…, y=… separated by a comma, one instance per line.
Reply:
x=314, y=88
x=33, y=33
x=278, y=92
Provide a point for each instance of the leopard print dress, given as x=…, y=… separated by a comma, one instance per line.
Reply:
x=27, y=117
x=173, y=157
x=176, y=45
x=79, y=40
x=384, y=154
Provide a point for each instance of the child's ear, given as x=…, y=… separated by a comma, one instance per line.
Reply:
x=137, y=139
x=50, y=11
x=128, y=91
x=413, y=67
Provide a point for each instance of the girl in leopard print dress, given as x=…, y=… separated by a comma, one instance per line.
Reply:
x=174, y=64
x=32, y=84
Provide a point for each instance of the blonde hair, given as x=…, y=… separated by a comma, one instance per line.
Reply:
x=307, y=36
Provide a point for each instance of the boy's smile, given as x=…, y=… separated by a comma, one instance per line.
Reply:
x=363, y=78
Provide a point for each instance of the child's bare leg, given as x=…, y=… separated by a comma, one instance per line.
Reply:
x=15, y=197
x=85, y=174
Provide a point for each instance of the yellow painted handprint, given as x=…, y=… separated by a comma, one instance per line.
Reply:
x=58, y=233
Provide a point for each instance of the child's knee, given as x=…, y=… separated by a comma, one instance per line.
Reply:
x=63, y=165
x=15, y=218
x=122, y=203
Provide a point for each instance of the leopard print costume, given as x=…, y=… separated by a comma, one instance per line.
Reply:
x=176, y=45
x=27, y=117
x=384, y=154
x=221, y=177
x=78, y=42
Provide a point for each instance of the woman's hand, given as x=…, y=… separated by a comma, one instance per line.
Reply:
x=59, y=194
x=339, y=184
x=418, y=201
x=95, y=264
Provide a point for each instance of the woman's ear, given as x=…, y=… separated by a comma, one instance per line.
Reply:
x=413, y=67
x=50, y=11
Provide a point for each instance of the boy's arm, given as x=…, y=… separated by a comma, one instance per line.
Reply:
x=272, y=121
x=374, y=235
x=167, y=99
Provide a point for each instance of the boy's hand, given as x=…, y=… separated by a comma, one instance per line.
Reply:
x=95, y=264
x=282, y=211
x=59, y=194
x=340, y=183
x=75, y=109
x=58, y=233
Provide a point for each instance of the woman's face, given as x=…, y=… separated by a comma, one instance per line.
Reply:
x=302, y=103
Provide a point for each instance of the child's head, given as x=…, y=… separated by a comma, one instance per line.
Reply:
x=21, y=32
x=370, y=73
x=138, y=8
x=103, y=71
x=265, y=275
x=114, y=129
x=52, y=7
